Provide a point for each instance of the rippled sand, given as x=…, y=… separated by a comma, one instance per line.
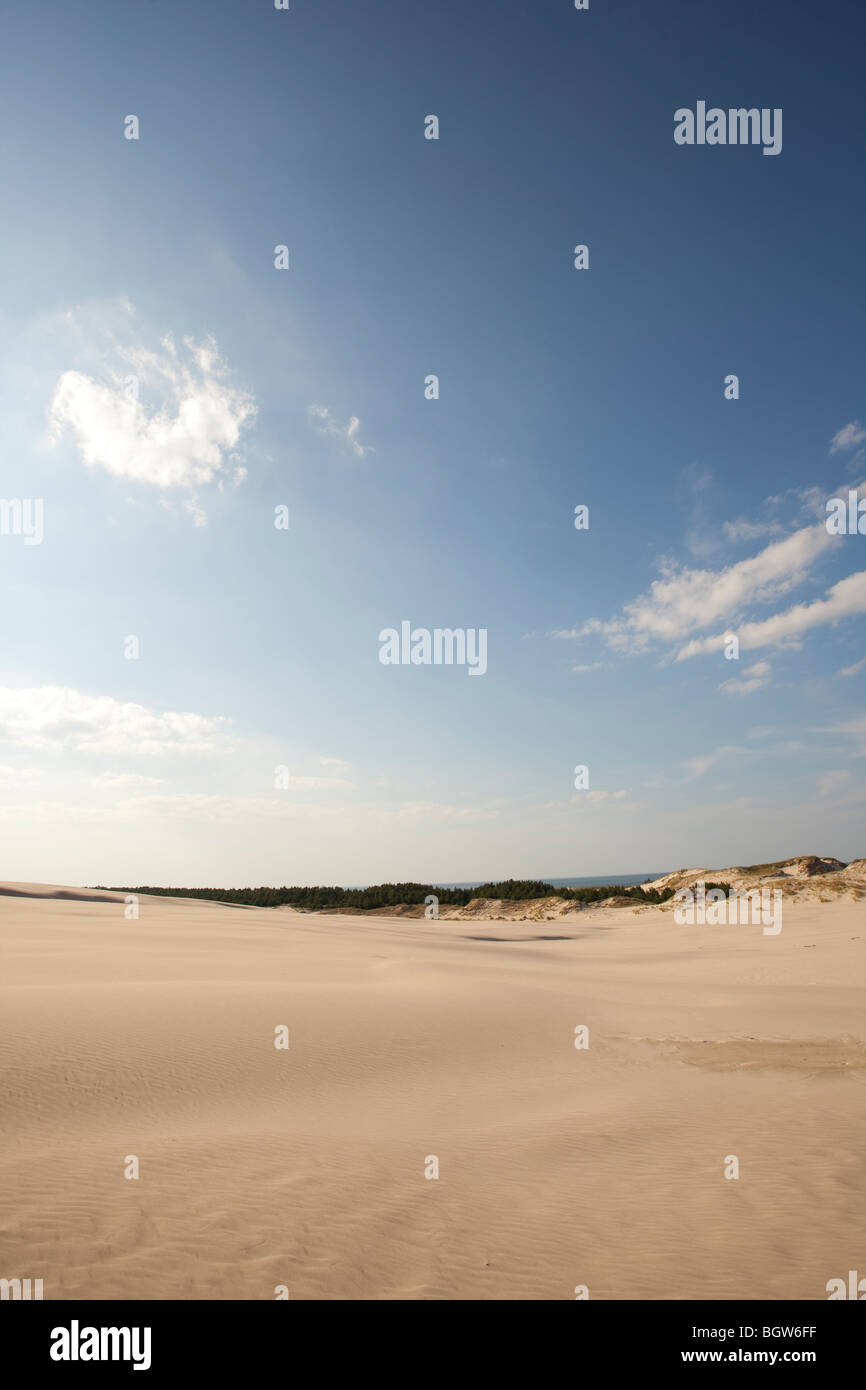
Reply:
x=416, y=1039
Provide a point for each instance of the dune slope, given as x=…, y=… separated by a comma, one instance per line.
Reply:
x=418, y=1039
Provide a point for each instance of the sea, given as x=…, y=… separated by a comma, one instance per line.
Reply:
x=596, y=881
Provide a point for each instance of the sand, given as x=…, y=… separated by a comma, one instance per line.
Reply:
x=305, y=1167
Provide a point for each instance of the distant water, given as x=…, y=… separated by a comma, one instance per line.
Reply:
x=598, y=881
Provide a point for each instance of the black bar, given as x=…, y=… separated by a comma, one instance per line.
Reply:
x=227, y=1338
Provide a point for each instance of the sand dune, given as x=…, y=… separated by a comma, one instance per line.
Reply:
x=809, y=876
x=557, y=1167
x=53, y=890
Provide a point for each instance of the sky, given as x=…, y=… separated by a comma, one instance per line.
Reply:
x=222, y=479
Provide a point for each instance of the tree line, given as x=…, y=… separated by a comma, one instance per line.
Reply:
x=393, y=894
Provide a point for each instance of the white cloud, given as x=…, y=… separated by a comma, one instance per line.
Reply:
x=686, y=600
x=326, y=424
x=852, y=670
x=753, y=678
x=53, y=716
x=848, y=438
x=185, y=441
x=844, y=600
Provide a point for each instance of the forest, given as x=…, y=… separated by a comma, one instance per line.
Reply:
x=381, y=895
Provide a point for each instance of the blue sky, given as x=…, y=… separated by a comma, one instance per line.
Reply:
x=258, y=387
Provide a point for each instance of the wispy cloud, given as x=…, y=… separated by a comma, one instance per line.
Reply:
x=325, y=423
x=439, y=811
x=697, y=766
x=744, y=529
x=113, y=781
x=843, y=600
x=321, y=783
x=753, y=678
x=834, y=781
x=854, y=733
x=609, y=804
x=688, y=600
x=218, y=807
x=848, y=437
x=778, y=515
